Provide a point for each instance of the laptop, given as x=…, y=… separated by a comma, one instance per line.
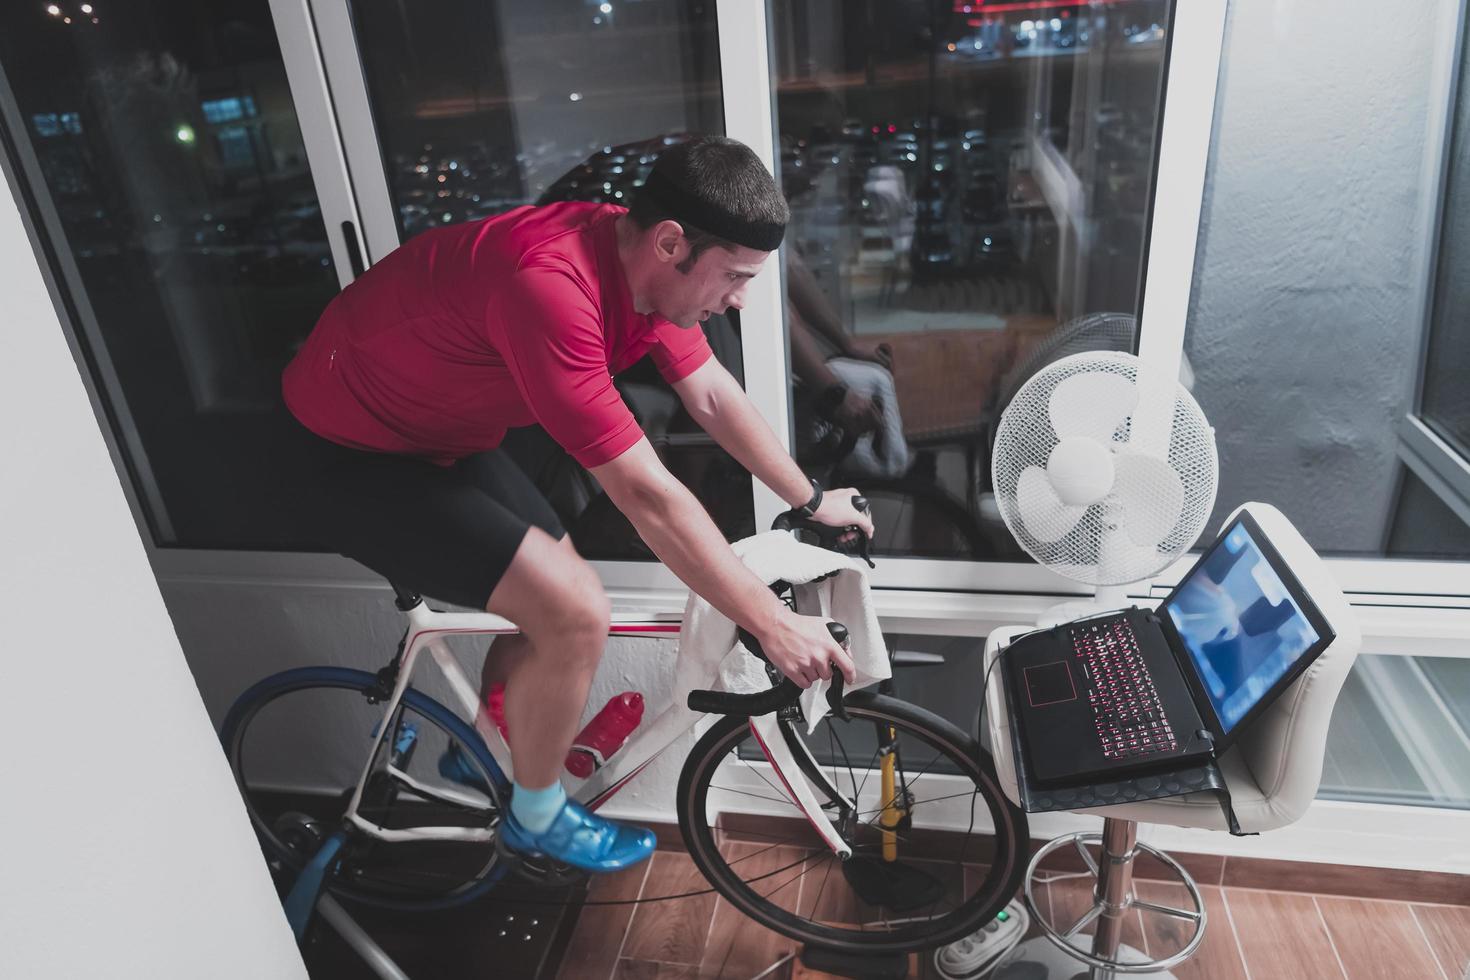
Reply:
x=1126, y=693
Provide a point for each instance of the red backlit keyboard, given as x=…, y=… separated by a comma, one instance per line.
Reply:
x=1130, y=719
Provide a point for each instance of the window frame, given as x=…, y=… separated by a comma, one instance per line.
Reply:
x=1432, y=459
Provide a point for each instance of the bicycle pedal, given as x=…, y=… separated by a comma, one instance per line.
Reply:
x=538, y=869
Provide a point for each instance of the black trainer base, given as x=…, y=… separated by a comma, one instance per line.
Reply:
x=858, y=966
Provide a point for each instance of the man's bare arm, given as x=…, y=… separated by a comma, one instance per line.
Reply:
x=722, y=408
x=675, y=525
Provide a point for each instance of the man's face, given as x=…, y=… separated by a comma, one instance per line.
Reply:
x=716, y=283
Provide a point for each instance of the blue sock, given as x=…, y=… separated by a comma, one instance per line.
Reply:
x=535, y=809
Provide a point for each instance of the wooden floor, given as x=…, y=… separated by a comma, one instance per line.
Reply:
x=1252, y=934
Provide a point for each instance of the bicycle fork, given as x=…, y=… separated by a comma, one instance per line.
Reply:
x=895, y=801
x=790, y=755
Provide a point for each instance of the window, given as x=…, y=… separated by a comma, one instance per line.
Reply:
x=54, y=124
x=227, y=109
x=970, y=194
x=236, y=151
x=189, y=283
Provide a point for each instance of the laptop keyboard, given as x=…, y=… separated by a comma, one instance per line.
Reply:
x=1130, y=718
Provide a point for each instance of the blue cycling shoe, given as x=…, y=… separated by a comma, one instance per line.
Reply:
x=456, y=767
x=581, y=839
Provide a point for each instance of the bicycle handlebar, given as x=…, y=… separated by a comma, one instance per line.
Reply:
x=786, y=692
x=829, y=536
x=778, y=697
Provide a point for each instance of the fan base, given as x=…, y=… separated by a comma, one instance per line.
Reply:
x=1109, y=599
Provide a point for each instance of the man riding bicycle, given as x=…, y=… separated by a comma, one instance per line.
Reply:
x=415, y=372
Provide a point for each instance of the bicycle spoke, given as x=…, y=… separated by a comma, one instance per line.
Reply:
x=817, y=902
x=832, y=751
x=866, y=773
x=744, y=792
x=765, y=850
x=785, y=798
x=916, y=803
x=890, y=800
x=789, y=840
x=785, y=884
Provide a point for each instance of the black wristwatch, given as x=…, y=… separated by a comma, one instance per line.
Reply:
x=809, y=509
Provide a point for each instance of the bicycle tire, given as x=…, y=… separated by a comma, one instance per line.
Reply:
x=1000, y=882
x=235, y=731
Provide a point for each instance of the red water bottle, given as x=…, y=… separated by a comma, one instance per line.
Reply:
x=495, y=706
x=605, y=734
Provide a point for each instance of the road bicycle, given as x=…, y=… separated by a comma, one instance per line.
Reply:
x=883, y=830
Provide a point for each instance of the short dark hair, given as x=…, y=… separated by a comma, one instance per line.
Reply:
x=721, y=172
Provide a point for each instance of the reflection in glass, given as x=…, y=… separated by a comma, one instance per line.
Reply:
x=564, y=100
x=172, y=178
x=969, y=193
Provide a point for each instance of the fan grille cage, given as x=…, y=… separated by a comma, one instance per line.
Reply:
x=1095, y=550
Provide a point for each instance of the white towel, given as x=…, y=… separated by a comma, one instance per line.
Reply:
x=712, y=658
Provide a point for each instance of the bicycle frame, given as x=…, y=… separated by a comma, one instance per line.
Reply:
x=428, y=630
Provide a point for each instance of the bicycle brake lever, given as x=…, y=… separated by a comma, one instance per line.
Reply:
x=830, y=536
x=835, y=687
x=834, y=690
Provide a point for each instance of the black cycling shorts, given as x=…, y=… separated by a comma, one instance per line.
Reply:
x=449, y=532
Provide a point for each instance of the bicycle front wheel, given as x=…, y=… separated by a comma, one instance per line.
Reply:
x=298, y=743
x=937, y=849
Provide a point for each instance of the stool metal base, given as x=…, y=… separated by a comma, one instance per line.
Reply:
x=1113, y=898
x=1038, y=959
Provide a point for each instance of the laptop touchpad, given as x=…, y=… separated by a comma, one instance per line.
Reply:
x=1050, y=684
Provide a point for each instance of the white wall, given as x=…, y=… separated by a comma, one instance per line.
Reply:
x=1303, y=326
x=124, y=849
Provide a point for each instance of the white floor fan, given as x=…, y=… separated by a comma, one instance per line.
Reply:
x=1105, y=471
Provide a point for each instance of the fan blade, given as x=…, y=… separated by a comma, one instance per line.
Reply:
x=1122, y=560
x=1092, y=405
x=1046, y=518
x=1150, y=494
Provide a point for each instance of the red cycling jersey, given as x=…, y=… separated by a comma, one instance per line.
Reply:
x=472, y=329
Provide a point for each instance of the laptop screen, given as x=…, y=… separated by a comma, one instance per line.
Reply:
x=1248, y=625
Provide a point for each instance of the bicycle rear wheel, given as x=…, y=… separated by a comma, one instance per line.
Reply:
x=298, y=741
x=952, y=863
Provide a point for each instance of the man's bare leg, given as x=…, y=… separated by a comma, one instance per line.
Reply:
x=555, y=597
x=501, y=661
